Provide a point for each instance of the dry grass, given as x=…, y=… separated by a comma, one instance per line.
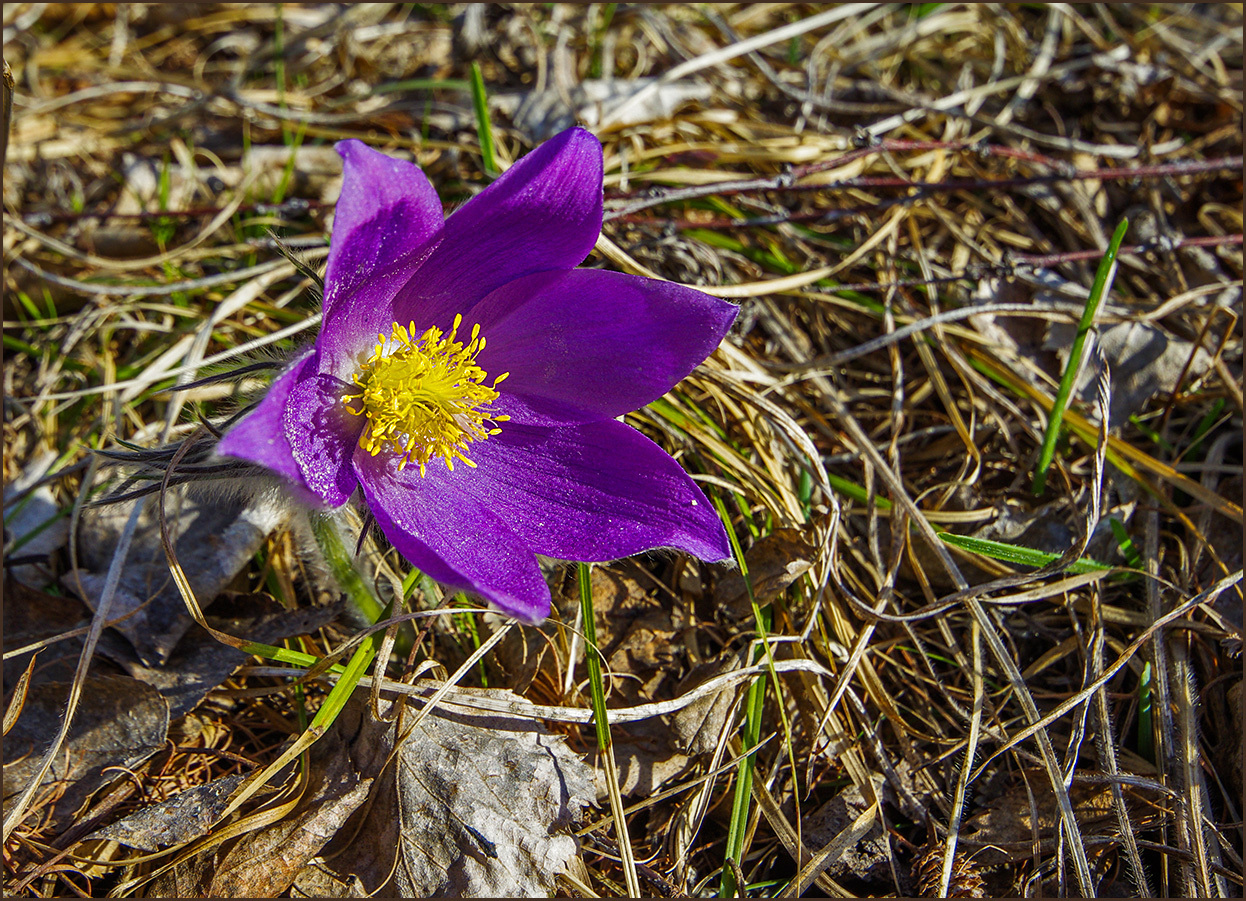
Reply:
x=855, y=186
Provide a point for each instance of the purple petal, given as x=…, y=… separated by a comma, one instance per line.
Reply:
x=259, y=437
x=587, y=345
x=543, y=213
x=452, y=537
x=388, y=218
x=321, y=433
x=590, y=492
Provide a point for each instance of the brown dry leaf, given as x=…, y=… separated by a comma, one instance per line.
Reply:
x=119, y=722
x=32, y=616
x=471, y=805
x=314, y=881
x=216, y=538
x=1144, y=360
x=638, y=636
x=265, y=864
x=484, y=805
x=694, y=729
x=200, y=663
x=182, y=818
x=868, y=858
x=774, y=562
x=1007, y=824
x=35, y=520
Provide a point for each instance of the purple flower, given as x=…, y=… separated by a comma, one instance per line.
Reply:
x=467, y=378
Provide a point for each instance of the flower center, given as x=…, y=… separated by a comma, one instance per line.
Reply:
x=424, y=397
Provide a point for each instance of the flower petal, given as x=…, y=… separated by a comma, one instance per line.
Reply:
x=387, y=219
x=259, y=437
x=543, y=213
x=452, y=537
x=588, y=345
x=590, y=492
x=321, y=433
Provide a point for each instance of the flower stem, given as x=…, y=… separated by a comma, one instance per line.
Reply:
x=340, y=564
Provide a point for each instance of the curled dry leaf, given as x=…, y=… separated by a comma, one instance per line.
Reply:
x=774, y=562
x=485, y=806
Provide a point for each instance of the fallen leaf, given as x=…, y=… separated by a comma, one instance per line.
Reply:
x=33, y=518
x=468, y=805
x=182, y=818
x=868, y=858
x=119, y=722
x=477, y=805
x=266, y=863
x=1004, y=829
x=31, y=617
x=774, y=562
x=200, y=663
x=485, y=808
x=1144, y=361
x=216, y=538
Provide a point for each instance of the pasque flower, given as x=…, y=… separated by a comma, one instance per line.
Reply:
x=467, y=377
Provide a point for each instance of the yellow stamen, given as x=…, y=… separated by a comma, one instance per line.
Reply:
x=424, y=397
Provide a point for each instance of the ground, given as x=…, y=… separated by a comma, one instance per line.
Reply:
x=948, y=632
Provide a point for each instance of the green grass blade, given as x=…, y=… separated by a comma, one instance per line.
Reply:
x=754, y=706
x=1011, y=553
x=484, y=130
x=1128, y=550
x=1103, y=283
x=601, y=723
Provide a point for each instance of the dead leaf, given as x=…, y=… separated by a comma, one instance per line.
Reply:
x=1005, y=827
x=477, y=806
x=774, y=562
x=119, y=722
x=216, y=538
x=868, y=858
x=200, y=663
x=31, y=617
x=18, y=701
x=638, y=636
x=485, y=806
x=695, y=728
x=182, y=818
x=470, y=806
x=1144, y=361
x=315, y=881
x=266, y=863
x=35, y=518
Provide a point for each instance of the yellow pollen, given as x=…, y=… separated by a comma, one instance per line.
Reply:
x=424, y=397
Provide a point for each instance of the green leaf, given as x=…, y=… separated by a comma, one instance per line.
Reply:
x=1011, y=553
x=484, y=130
x=1103, y=282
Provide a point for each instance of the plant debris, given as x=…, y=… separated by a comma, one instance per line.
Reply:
x=908, y=202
